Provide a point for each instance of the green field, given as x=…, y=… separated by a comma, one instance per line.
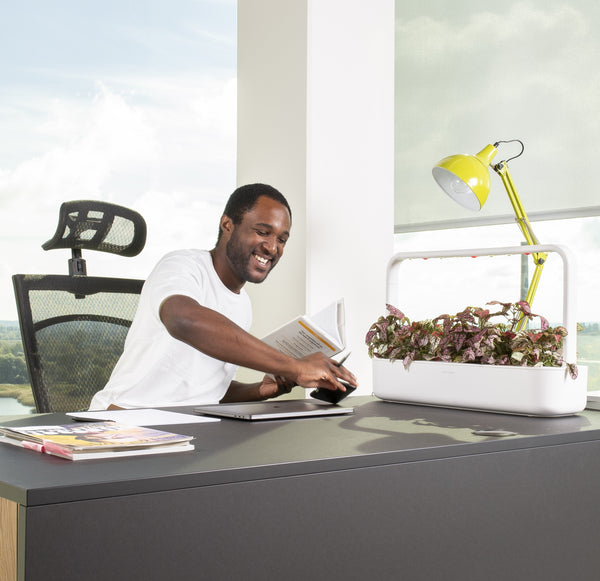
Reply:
x=20, y=392
x=588, y=354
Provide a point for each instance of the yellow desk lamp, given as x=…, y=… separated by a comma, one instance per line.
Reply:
x=466, y=179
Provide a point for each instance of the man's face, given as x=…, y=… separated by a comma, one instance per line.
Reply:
x=256, y=244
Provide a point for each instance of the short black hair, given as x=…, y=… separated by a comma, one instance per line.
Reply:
x=244, y=198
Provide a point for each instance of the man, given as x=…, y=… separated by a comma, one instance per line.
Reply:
x=190, y=330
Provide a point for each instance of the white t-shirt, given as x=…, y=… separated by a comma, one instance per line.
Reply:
x=158, y=370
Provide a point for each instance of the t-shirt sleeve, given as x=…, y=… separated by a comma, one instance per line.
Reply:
x=175, y=274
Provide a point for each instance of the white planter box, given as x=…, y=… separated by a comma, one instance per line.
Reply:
x=532, y=391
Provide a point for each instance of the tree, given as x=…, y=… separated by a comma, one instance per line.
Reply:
x=13, y=369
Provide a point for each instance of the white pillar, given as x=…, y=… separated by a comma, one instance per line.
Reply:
x=315, y=119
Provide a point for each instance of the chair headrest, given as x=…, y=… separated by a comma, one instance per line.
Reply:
x=94, y=225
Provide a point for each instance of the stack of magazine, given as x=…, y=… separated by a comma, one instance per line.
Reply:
x=85, y=441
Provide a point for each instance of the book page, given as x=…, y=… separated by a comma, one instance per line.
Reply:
x=332, y=320
x=299, y=338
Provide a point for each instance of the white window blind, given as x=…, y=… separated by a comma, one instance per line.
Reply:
x=470, y=73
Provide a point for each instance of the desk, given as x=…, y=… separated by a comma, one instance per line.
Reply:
x=390, y=492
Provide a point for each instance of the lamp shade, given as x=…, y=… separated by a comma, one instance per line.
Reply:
x=466, y=178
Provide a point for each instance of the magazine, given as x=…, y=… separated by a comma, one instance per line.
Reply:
x=84, y=441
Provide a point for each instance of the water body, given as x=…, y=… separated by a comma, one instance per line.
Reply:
x=10, y=406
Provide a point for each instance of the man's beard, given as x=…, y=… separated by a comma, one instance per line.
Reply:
x=239, y=261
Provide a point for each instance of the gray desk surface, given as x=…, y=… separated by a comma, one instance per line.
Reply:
x=378, y=433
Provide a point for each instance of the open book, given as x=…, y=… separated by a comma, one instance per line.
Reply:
x=323, y=331
x=85, y=441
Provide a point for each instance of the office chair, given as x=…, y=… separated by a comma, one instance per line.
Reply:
x=74, y=326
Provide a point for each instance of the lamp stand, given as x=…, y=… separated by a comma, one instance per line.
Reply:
x=539, y=258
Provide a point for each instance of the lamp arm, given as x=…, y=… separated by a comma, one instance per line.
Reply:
x=533, y=285
x=522, y=220
x=539, y=258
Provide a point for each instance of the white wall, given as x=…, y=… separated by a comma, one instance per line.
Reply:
x=271, y=138
x=315, y=119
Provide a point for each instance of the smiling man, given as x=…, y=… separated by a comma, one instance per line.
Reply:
x=190, y=332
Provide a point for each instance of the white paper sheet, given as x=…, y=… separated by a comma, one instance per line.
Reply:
x=142, y=417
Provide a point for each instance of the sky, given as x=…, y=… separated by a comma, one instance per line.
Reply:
x=123, y=101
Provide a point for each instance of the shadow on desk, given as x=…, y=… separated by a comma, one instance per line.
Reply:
x=426, y=426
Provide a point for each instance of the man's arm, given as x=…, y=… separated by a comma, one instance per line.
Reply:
x=219, y=337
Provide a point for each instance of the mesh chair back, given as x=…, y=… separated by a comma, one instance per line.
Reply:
x=73, y=331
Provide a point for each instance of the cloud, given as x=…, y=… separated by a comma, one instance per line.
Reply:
x=164, y=146
x=91, y=140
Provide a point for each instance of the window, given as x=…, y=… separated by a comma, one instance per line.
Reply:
x=430, y=288
x=123, y=101
x=469, y=74
x=472, y=73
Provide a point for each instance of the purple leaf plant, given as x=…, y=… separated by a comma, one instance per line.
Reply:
x=474, y=335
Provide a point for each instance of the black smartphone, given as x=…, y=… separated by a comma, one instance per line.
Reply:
x=330, y=395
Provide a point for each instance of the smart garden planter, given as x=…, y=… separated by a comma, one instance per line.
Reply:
x=533, y=391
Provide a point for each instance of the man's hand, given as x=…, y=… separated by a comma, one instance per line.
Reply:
x=274, y=387
x=265, y=389
x=317, y=370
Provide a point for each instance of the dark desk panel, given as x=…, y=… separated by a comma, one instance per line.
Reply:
x=233, y=450
x=391, y=492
